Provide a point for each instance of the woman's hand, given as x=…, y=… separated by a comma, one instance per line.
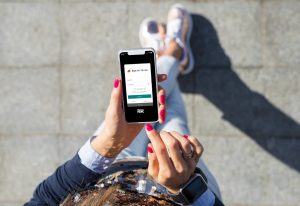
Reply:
x=117, y=134
x=172, y=157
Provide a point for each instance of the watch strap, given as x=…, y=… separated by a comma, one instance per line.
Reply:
x=199, y=171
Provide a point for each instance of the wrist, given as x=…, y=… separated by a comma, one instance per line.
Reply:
x=105, y=146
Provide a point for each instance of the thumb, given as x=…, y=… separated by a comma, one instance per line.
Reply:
x=153, y=167
x=116, y=96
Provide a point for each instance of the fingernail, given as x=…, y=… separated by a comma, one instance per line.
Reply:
x=149, y=127
x=163, y=114
x=116, y=83
x=163, y=99
x=185, y=136
x=150, y=149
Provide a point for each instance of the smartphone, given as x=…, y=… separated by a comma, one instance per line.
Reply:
x=139, y=81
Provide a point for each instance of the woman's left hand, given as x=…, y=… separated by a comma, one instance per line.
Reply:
x=117, y=134
x=172, y=157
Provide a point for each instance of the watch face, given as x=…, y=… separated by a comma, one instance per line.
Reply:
x=195, y=189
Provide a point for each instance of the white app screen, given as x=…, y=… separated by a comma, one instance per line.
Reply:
x=138, y=84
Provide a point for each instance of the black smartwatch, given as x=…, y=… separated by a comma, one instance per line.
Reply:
x=190, y=191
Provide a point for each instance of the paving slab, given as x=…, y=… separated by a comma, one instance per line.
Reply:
x=223, y=101
x=29, y=34
x=58, y=60
x=29, y=101
x=246, y=177
x=281, y=191
x=11, y=203
x=93, y=33
x=68, y=146
x=239, y=33
x=25, y=162
x=255, y=175
x=85, y=96
x=281, y=22
x=88, y=38
x=257, y=103
x=281, y=87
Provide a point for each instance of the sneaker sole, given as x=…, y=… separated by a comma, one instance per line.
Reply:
x=191, y=62
x=190, y=66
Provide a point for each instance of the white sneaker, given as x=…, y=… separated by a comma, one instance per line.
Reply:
x=149, y=35
x=179, y=28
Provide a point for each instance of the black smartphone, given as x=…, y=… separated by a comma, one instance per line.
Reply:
x=139, y=81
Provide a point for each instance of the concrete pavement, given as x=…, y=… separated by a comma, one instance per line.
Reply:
x=58, y=60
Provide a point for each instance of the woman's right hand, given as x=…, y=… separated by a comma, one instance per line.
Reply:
x=172, y=157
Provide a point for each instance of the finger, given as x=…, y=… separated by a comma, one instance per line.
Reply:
x=175, y=152
x=186, y=148
x=153, y=167
x=162, y=77
x=185, y=144
x=159, y=148
x=162, y=113
x=161, y=95
x=116, y=96
x=162, y=105
x=197, y=147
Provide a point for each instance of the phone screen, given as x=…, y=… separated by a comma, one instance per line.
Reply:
x=138, y=71
x=138, y=84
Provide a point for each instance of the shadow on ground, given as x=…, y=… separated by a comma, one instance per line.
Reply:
x=245, y=109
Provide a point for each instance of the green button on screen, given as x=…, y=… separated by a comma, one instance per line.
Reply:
x=139, y=96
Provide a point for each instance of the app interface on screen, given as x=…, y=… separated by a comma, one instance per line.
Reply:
x=138, y=84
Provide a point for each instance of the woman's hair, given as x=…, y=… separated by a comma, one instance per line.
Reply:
x=123, y=188
x=113, y=196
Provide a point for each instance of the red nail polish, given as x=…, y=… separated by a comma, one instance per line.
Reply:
x=185, y=136
x=149, y=127
x=163, y=99
x=150, y=149
x=116, y=83
x=163, y=114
